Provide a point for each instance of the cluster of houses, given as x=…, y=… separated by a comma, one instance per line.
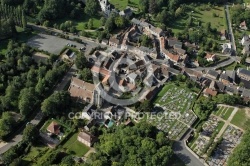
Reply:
x=226, y=82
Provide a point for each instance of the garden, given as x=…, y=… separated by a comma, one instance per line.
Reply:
x=224, y=112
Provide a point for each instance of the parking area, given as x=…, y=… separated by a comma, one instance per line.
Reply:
x=54, y=44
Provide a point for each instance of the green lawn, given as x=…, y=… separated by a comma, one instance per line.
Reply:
x=240, y=119
x=34, y=153
x=80, y=23
x=228, y=113
x=206, y=16
x=230, y=67
x=203, y=16
x=74, y=146
x=120, y=4
x=219, y=127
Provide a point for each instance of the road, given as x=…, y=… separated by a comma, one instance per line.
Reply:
x=230, y=29
x=185, y=154
x=217, y=66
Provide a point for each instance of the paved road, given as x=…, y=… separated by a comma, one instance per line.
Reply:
x=220, y=65
x=230, y=29
x=186, y=155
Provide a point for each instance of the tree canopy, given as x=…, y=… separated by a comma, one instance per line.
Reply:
x=137, y=145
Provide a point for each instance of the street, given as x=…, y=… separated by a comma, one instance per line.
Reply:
x=186, y=155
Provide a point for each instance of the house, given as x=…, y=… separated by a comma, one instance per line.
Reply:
x=114, y=41
x=243, y=74
x=88, y=111
x=209, y=92
x=245, y=42
x=191, y=45
x=106, y=7
x=84, y=92
x=224, y=78
x=132, y=77
x=86, y=138
x=192, y=74
x=230, y=90
x=105, y=42
x=223, y=34
x=210, y=57
x=100, y=71
x=213, y=74
x=90, y=124
x=173, y=42
x=226, y=48
x=246, y=95
x=68, y=55
x=243, y=25
x=155, y=31
x=54, y=128
x=147, y=51
x=117, y=112
x=126, y=12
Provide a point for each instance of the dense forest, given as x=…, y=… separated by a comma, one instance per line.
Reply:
x=137, y=145
x=24, y=83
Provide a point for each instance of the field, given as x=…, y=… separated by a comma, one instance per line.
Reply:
x=224, y=112
x=34, y=153
x=240, y=119
x=122, y=4
x=75, y=146
x=81, y=22
x=204, y=14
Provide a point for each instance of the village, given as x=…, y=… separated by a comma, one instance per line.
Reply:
x=143, y=72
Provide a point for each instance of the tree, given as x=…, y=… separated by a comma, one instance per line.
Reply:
x=146, y=41
x=86, y=75
x=103, y=20
x=46, y=23
x=27, y=101
x=145, y=106
x=90, y=23
x=92, y=7
x=57, y=103
x=120, y=22
x=80, y=61
x=178, y=12
x=24, y=21
x=143, y=6
x=30, y=133
x=152, y=6
x=7, y=122
x=120, y=147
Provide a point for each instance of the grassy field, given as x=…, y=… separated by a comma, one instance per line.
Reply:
x=122, y=4
x=228, y=113
x=81, y=22
x=240, y=119
x=223, y=112
x=34, y=153
x=75, y=146
x=204, y=16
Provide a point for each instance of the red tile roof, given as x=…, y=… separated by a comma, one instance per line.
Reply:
x=54, y=128
x=210, y=92
x=100, y=70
